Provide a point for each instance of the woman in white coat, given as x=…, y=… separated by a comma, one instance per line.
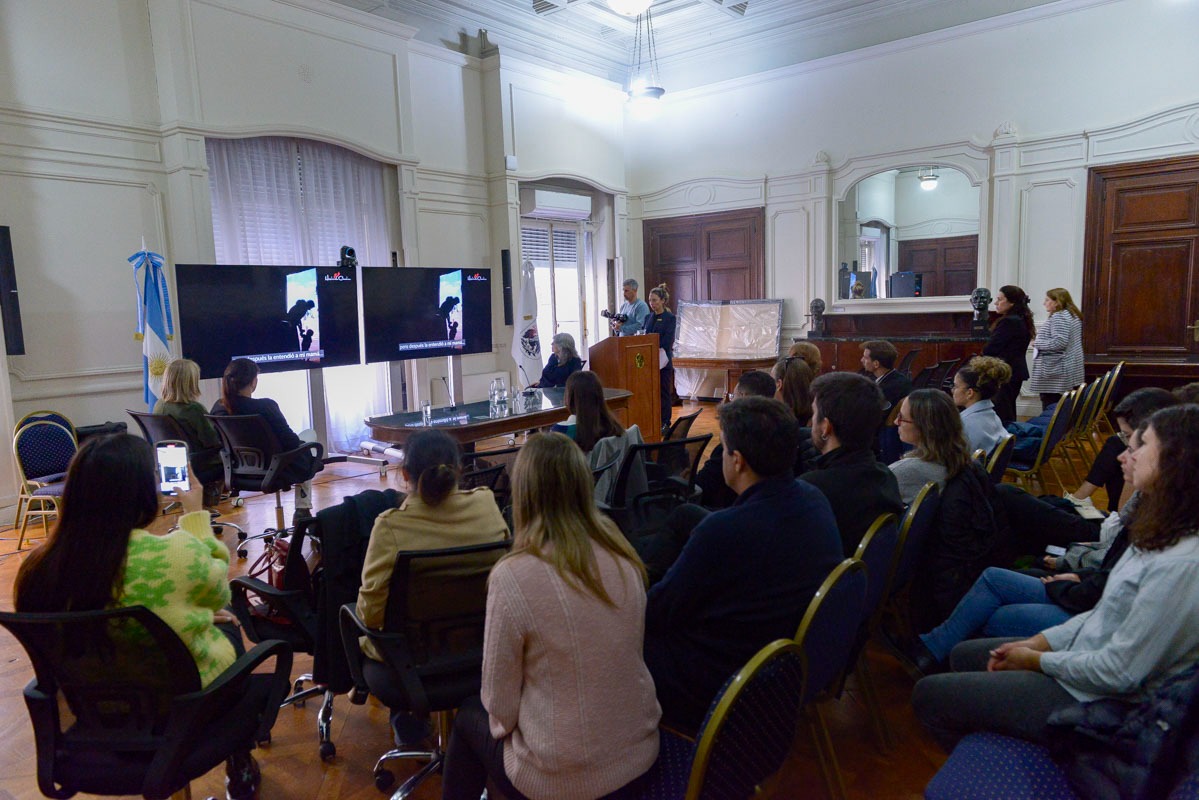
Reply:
x=1057, y=366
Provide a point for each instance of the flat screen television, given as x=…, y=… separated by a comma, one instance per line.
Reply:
x=424, y=312
x=282, y=318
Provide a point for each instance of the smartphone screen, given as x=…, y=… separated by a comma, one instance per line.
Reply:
x=172, y=466
x=1054, y=550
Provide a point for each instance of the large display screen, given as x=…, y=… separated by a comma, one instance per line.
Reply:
x=282, y=318
x=422, y=312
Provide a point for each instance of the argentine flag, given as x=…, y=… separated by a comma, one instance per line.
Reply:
x=154, y=327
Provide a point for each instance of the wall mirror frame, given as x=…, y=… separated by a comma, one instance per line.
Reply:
x=967, y=158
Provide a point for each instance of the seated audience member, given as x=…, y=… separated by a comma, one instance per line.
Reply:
x=100, y=555
x=930, y=423
x=710, y=479
x=590, y=418
x=878, y=362
x=847, y=410
x=1141, y=632
x=563, y=362
x=810, y=353
x=237, y=390
x=1188, y=393
x=1007, y=603
x=973, y=387
x=1105, y=471
x=567, y=707
x=435, y=514
x=746, y=573
x=792, y=381
x=180, y=391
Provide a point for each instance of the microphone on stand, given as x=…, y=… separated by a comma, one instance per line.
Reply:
x=521, y=367
x=448, y=392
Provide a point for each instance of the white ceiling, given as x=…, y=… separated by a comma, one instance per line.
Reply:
x=698, y=41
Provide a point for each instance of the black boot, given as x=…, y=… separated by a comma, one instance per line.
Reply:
x=242, y=777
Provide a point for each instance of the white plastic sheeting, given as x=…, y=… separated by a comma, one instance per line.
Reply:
x=723, y=329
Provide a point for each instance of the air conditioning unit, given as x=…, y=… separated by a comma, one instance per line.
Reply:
x=547, y=204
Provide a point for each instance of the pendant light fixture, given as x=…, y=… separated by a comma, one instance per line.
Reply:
x=928, y=179
x=644, y=86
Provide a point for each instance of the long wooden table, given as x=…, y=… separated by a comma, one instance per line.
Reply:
x=733, y=368
x=471, y=422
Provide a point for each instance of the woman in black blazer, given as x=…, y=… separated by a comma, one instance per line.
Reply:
x=1010, y=336
x=661, y=322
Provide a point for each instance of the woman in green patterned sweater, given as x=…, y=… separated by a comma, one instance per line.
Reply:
x=101, y=556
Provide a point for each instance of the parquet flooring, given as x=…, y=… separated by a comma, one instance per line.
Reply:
x=291, y=767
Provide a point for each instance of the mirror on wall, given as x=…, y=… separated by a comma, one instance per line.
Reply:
x=910, y=232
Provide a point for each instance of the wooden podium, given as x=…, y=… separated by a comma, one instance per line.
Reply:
x=631, y=363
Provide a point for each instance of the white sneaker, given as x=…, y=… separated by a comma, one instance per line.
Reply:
x=1084, y=502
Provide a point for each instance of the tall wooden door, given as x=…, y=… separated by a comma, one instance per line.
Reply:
x=707, y=256
x=1141, y=288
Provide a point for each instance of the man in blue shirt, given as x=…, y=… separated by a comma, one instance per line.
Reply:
x=635, y=309
x=747, y=573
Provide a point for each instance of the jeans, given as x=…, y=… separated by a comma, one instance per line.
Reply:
x=473, y=756
x=969, y=699
x=1001, y=603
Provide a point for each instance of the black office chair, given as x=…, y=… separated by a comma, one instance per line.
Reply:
x=670, y=469
x=431, y=644
x=681, y=426
x=284, y=607
x=487, y=459
x=905, y=364
x=139, y=722
x=255, y=461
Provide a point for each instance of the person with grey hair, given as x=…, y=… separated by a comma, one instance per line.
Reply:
x=563, y=362
x=634, y=308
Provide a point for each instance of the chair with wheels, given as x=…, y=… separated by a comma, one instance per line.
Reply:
x=284, y=607
x=745, y=739
x=599, y=471
x=255, y=461
x=431, y=644
x=837, y=608
x=139, y=722
x=43, y=450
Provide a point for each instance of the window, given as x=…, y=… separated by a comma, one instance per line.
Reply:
x=555, y=250
x=285, y=201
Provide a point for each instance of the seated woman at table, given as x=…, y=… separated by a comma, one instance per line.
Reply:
x=100, y=555
x=973, y=387
x=590, y=419
x=435, y=514
x=564, y=361
x=1140, y=634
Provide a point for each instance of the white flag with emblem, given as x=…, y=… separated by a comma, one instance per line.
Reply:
x=526, y=344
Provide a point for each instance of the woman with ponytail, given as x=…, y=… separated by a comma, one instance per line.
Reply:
x=435, y=514
x=237, y=390
x=1010, y=335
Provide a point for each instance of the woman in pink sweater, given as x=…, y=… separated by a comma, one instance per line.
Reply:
x=568, y=709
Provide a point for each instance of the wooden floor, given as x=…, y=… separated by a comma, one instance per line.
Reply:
x=291, y=767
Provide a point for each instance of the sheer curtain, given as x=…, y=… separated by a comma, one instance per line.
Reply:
x=286, y=201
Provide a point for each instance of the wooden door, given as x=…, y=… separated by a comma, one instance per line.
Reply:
x=948, y=265
x=1141, y=288
x=707, y=256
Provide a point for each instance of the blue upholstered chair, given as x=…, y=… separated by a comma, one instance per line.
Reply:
x=744, y=740
x=879, y=551
x=43, y=451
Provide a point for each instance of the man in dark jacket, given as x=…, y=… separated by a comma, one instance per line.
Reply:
x=710, y=478
x=847, y=409
x=747, y=573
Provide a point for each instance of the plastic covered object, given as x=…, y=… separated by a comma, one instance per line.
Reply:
x=729, y=329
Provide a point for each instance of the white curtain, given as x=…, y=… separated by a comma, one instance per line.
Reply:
x=285, y=201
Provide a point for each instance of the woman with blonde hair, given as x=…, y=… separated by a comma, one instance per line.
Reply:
x=568, y=709
x=973, y=387
x=1057, y=366
x=180, y=401
x=810, y=353
x=662, y=322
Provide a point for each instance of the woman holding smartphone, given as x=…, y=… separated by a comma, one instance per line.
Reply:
x=101, y=555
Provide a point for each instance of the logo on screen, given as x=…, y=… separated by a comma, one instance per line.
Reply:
x=478, y=276
x=338, y=276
